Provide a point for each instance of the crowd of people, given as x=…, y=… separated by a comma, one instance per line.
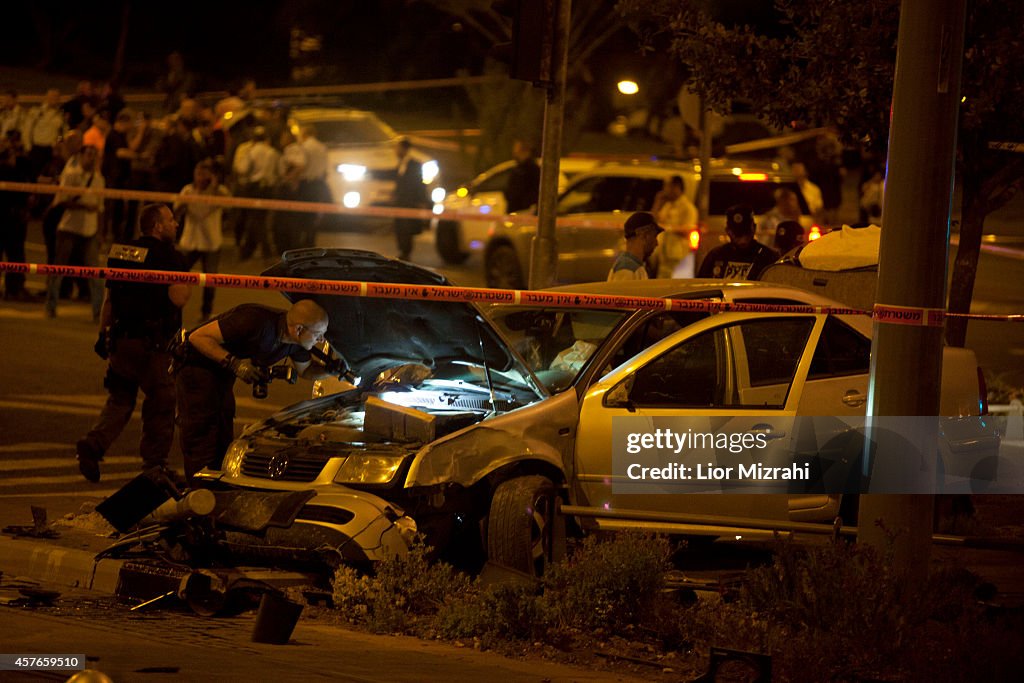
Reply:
x=93, y=140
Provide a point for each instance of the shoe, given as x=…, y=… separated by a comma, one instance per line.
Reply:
x=88, y=461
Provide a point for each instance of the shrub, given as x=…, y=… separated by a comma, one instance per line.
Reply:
x=609, y=584
x=403, y=587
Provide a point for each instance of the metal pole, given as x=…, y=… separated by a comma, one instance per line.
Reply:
x=543, y=248
x=906, y=360
x=704, y=186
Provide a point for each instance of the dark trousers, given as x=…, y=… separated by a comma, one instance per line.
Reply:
x=137, y=363
x=405, y=230
x=12, y=246
x=73, y=249
x=206, y=415
x=311, y=191
x=209, y=262
x=253, y=232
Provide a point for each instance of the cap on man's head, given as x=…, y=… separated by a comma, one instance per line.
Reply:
x=739, y=219
x=638, y=221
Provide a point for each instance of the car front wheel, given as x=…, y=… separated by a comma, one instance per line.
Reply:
x=502, y=268
x=525, y=529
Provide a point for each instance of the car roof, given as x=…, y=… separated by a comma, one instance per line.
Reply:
x=659, y=168
x=695, y=288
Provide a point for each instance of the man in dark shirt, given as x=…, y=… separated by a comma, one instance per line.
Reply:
x=743, y=258
x=523, y=180
x=410, y=193
x=137, y=321
x=239, y=343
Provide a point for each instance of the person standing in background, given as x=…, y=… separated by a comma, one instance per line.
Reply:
x=410, y=193
x=78, y=227
x=313, y=186
x=45, y=126
x=523, y=186
x=202, y=237
x=641, y=232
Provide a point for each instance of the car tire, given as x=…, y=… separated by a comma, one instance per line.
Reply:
x=447, y=242
x=502, y=269
x=525, y=527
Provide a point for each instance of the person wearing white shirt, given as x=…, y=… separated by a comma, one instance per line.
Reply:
x=45, y=125
x=290, y=167
x=202, y=237
x=76, y=232
x=255, y=168
x=678, y=215
x=313, y=187
x=810, y=191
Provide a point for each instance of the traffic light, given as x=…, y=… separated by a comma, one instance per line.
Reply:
x=529, y=54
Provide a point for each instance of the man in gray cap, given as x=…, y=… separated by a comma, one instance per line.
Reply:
x=641, y=232
x=743, y=258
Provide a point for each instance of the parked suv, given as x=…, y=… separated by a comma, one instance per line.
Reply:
x=599, y=201
x=361, y=160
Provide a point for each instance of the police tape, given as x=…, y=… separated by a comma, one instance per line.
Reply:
x=297, y=206
x=483, y=295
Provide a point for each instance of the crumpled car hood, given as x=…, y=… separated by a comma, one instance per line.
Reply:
x=374, y=333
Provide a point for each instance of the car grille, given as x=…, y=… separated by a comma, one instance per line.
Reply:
x=283, y=465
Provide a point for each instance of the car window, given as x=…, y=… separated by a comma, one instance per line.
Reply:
x=743, y=365
x=496, y=183
x=604, y=194
x=841, y=351
x=758, y=194
x=351, y=131
x=651, y=331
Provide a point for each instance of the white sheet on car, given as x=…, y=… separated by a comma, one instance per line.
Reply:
x=843, y=249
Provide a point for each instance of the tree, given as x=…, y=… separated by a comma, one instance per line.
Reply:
x=513, y=109
x=832, y=64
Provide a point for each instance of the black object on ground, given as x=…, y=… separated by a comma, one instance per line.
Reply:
x=276, y=619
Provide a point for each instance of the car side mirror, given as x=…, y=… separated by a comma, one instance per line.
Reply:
x=618, y=396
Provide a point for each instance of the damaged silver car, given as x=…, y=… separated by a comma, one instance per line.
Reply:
x=480, y=423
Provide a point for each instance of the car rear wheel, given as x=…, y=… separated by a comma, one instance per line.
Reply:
x=502, y=268
x=525, y=529
x=447, y=242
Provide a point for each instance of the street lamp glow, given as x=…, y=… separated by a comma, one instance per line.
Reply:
x=628, y=87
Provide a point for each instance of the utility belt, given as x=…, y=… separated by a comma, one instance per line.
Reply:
x=182, y=353
x=152, y=331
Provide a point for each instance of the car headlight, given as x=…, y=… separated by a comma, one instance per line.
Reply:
x=234, y=456
x=351, y=200
x=437, y=195
x=430, y=171
x=364, y=468
x=352, y=173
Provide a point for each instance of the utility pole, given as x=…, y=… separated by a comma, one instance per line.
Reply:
x=543, y=249
x=906, y=360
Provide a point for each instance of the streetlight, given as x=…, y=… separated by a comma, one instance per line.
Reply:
x=628, y=87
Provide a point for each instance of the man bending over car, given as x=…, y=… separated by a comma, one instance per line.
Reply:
x=240, y=343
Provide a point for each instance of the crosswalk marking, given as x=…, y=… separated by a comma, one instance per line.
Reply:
x=76, y=478
x=29, y=446
x=67, y=461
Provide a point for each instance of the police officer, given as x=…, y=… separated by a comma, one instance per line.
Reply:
x=239, y=343
x=137, y=320
x=743, y=258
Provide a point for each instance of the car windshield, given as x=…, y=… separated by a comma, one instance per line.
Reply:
x=555, y=343
x=356, y=131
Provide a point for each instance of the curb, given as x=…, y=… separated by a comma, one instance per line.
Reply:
x=60, y=565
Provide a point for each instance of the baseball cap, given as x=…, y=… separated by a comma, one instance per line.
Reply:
x=739, y=219
x=638, y=221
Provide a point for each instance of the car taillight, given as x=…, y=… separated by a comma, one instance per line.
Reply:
x=694, y=239
x=982, y=393
x=814, y=233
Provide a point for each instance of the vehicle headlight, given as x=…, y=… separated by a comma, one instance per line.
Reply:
x=234, y=456
x=430, y=171
x=437, y=195
x=353, y=173
x=364, y=468
x=351, y=200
